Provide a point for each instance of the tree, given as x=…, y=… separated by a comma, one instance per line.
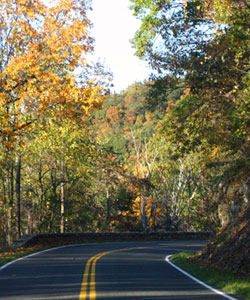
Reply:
x=170, y=33
x=44, y=74
x=211, y=115
x=144, y=167
x=43, y=68
x=160, y=92
x=216, y=68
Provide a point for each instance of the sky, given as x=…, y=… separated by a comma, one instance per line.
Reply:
x=114, y=26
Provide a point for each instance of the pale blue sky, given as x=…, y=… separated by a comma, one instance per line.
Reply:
x=114, y=26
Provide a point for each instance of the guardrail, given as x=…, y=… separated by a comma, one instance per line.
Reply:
x=90, y=237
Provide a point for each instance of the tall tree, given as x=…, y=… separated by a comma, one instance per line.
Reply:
x=44, y=74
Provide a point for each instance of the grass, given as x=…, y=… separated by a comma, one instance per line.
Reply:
x=225, y=281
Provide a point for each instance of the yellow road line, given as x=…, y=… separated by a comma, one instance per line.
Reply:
x=83, y=293
x=93, y=260
x=92, y=293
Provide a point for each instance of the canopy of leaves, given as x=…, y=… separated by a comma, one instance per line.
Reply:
x=170, y=33
x=43, y=63
x=209, y=42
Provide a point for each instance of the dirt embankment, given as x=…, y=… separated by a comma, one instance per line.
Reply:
x=230, y=249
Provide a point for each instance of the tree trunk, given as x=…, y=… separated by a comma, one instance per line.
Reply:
x=107, y=209
x=10, y=187
x=18, y=193
x=54, y=207
x=62, y=223
x=143, y=216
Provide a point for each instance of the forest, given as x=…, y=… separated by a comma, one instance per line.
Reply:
x=167, y=154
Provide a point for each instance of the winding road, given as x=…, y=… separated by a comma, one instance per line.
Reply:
x=105, y=271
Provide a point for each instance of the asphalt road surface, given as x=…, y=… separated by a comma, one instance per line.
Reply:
x=103, y=271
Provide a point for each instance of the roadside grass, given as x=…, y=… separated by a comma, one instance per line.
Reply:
x=220, y=279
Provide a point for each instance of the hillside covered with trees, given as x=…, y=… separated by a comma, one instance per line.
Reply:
x=170, y=153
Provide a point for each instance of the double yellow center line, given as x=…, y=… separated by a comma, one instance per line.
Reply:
x=88, y=290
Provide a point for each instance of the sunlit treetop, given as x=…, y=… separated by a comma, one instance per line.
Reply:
x=43, y=62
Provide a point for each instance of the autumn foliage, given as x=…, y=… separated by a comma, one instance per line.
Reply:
x=44, y=69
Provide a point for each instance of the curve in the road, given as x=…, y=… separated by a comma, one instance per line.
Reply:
x=90, y=275
x=83, y=268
